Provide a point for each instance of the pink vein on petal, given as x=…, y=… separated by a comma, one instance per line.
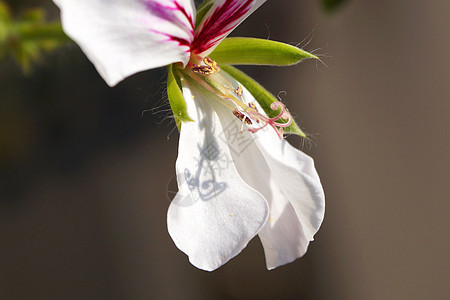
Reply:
x=171, y=38
x=184, y=12
x=220, y=23
x=169, y=13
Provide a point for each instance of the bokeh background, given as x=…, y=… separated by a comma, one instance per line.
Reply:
x=85, y=169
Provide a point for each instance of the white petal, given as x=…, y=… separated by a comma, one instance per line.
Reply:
x=124, y=37
x=296, y=176
x=282, y=236
x=287, y=179
x=215, y=213
x=221, y=19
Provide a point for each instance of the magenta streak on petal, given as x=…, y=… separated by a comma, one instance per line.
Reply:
x=169, y=13
x=171, y=38
x=184, y=12
x=221, y=22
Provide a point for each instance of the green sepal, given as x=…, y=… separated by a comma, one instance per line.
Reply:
x=252, y=51
x=264, y=97
x=176, y=100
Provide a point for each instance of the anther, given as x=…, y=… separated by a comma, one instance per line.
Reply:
x=212, y=64
x=242, y=117
x=253, y=106
x=238, y=91
x=210, y=68
x=205, y=70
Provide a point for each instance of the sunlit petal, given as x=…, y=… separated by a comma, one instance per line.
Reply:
x=282, y=236
x=124, y=37
x=287, y=179
x=215, y=213
x=295, y=173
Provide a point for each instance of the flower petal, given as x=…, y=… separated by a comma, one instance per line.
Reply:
x=287, y=179
x=221, y=19
x=282, y=236
x=215, y=213
x=295, y=174
x=124, y=37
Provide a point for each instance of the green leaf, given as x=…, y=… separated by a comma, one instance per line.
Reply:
x=252, y=51
x=27, y=41
x=264, y=98
x=5, y=12
x=176, y=99
x=25, y=54
x=43, y=32
x=5, y=16
x=35, y=15
x=331, y=5
x=28, y=36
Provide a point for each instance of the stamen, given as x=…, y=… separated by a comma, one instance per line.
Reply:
x=210, y=68
x=212, y=64
x=205, y=70
x=253, y=106
x=247, y=113
x=238, y=91
x=242, y=117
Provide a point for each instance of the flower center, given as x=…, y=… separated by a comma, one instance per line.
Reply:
x=208, y=75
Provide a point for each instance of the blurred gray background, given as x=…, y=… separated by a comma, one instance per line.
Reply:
x=85, y=169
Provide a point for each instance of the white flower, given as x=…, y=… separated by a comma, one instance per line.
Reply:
x=237, y=176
